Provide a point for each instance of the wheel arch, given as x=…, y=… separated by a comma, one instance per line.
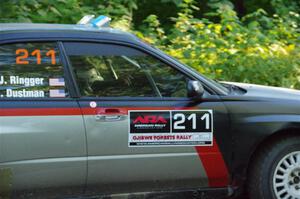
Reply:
x=290, y=131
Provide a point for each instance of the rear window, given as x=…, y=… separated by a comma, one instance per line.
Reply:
x=31, y=70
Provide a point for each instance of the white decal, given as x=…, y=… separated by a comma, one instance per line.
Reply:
x=178, y=122
x=2, y=80
x=93, y=104
x=170, y=128
x=56, y=82
x=26, y=81
x=24, y=93
x=193, y=118
x=206, y=118
x=57, y=93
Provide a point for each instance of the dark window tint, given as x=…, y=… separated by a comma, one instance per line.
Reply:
x=113, y=70
x=31, y=70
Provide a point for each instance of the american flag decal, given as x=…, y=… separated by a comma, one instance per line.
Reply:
x=57, y=93
x=56, y=82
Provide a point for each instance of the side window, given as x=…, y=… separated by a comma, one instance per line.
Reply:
x=169, y=81
x=30, y=70
x=105, y=70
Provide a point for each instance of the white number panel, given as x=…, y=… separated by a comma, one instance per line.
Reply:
x=170, y=128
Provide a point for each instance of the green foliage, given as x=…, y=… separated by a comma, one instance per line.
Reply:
x=65, y=11
x=257, y=48
x=262, y=45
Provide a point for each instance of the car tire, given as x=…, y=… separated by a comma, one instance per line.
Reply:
x=275, y=171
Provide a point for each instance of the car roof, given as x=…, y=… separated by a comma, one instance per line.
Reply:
x=45, y=28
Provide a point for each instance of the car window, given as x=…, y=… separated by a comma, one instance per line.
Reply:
x=31, y=70
x=104, y=70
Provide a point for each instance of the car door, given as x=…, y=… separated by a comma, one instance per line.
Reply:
x=42, y=135
x=143, y=132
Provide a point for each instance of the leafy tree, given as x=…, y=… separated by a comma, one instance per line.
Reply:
x=254, y=41
x=65, y=11
x=257, y=48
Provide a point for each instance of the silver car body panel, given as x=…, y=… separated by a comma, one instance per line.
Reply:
x=43, y=151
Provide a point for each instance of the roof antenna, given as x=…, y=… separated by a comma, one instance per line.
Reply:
x=85, y=20
x=101, y=21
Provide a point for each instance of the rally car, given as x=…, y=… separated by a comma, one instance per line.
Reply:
x=89, y=111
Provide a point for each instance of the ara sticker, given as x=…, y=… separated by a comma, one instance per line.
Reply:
x=170, y=128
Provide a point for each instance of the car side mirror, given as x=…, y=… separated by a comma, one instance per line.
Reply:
x=195, y=89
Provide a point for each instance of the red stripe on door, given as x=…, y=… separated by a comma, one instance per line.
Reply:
x=71, y=111
x=214, y=165
x=39, y=111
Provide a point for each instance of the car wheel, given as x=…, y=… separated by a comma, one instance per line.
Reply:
x=275, y=172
